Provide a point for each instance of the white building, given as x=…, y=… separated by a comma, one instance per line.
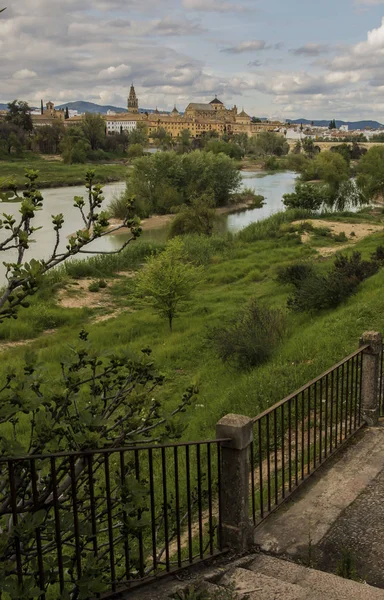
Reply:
x=119, y=124
x=344, y=128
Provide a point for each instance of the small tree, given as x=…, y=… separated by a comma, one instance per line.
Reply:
x=198, y=218
x=93, y=127
x=166, y=281
x=19, y=113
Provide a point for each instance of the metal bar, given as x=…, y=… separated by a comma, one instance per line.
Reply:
x=111, y=450
x=35, y=497
x=57, y=525
x=253, y=499
x=140, y=533
x=177, y=504
x=219, y=490
x=326, y=417
x=361, y=387
x=12, y=485
x=189, y=509
x=309, y=431
x=347, y=396
x=165, y=507
x=109, y=518
x=321, y=423
x=337, y=410
x=282, y=453
x=261, y=471
x=92, y=503
x=331, y=429
x=341, y=404
x=310, y=384
x=125, y=516
x=75, y=516
x=290, y=444
x=302, y=435
x=296, y=440
x=357, y=399
x=268, y=463
x=314, y=425
x=153, y=507
x=276, y=463
x=199, y=501
x=353, y=396
x=210, y=510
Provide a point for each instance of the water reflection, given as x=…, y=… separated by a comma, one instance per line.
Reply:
x=60, y=200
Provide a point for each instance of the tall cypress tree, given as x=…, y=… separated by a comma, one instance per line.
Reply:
x=66, y=113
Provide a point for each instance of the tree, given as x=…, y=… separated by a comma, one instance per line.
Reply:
x=370, y=170
x=162, y=139
x=166, y=281
x=19, y=113
x=135, y=150
x=184, y=141
x=66, y=116
x=74, y=146
x=198, y=218
x=93, y=127
x=308, y=147
x=48, y=138
x=333, y=169
x=297, y=148
x=12, y=138
x=308, y=196
x=332, y=124
x=139, y=135
x=255, y=120
x=267, y=144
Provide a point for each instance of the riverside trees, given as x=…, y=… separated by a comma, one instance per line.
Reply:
x=163, y=182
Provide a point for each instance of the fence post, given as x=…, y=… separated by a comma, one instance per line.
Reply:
x=370, y=400
x=236, y=532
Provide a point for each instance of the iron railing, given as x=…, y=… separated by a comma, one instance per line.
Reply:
x=105, y=520
x=381, y=383
x=295, y=436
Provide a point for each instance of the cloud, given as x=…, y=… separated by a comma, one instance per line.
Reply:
x=251, y=46
x=255, y=63
x=214, y=6
x=24, y=74
x=170, y=26
x=311, y=50
x=115, y=72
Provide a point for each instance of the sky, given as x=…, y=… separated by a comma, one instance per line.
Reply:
x=274, y=58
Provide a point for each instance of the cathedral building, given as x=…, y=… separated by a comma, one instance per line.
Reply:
x=198, y=119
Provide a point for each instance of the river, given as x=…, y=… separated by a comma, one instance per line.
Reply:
x=60, y=200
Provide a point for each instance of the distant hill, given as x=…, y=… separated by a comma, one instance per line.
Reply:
x=83, y=107
x=351, y=124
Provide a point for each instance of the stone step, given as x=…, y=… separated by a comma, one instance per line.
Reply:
x=256, y=586
x=316, y=584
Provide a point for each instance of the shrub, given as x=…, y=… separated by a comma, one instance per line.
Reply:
x=378, y=254
x=318, y=291
x=93, y=287
x=102, y=283
x=294, y=274
x=198, y=218
x=355, y=268
x=340, y=237
x=250, y=338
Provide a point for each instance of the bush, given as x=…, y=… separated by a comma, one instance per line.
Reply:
x=340, y=237
x=250, y=338
x=310, y=196
x=93, y=287
x=198, y=218
x=317, y=292
x=294, y=274
x=201, y=249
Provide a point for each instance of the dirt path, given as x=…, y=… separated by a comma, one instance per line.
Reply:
x=353, y=231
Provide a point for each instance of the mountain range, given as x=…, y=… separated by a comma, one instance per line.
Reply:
x=90, y=107
x=351, y=124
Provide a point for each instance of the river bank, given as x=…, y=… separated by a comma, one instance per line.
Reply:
x=54, y=173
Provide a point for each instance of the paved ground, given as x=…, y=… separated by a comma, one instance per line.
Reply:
x=336, y=523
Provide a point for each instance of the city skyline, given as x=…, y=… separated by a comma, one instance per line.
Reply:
x=276, y=59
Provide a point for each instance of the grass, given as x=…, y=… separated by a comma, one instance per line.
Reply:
x=54, y=173
x=235, y=271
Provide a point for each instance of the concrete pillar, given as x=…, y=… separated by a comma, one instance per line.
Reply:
x=235, y=490
x=370, y=401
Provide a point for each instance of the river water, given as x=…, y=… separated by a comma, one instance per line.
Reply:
x=60, y=200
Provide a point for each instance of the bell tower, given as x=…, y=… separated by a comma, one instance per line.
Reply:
x=133, y=103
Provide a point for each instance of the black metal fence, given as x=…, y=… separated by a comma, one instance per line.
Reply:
x=294, y=437
x=104, y=520
x=381, y=383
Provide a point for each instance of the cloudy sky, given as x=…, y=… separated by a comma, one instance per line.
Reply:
x=277, y=58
